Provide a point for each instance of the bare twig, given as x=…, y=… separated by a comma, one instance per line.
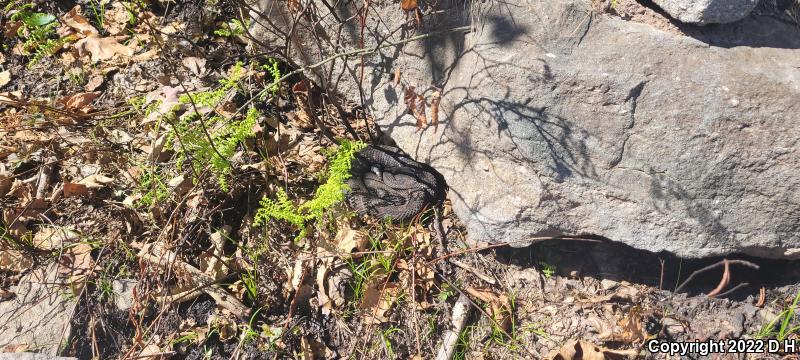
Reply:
x=460, y=314
x=712, y=266
x=726, y=279
x=474, y=271
x=762, y=297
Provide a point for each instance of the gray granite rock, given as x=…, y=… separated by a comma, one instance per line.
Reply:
x=707, y=11
x=39, y=316
x=123, y=293
x=555, y=120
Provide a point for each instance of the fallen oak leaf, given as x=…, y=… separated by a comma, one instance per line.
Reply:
x=14, y=260
x=77, y=265
x=436, y=97
x=408, y=5
x=5, y=78
x=584, y=350
x=499, y=304
x=195, y=65
x=101, y=48
x=419, y=112
x=378, y=302
x=94, y=83
x=51, y=238
x=75, y=20
x=96, y=181
x=79, y=101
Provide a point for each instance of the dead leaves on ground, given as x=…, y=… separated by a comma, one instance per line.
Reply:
x=499, y=305
x=417, y=103
x=584, y=350
x=102, y=48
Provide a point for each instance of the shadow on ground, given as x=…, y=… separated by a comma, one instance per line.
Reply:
x=619, y=262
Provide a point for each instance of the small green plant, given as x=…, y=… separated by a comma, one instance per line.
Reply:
x=215, y=148
x=77, y=78
x=38, y=31
x=388, y=344
x=327, y=195
x=105, y=288
x=363, y=273
x=249, y=280
x=535, y=329
x=232, y=28
x=152, y=187
x=445, y=292
x=497, y=335
x=548, y=270
x=462, y=346
x=272, y=67
x=98, y=9
x=785, y=322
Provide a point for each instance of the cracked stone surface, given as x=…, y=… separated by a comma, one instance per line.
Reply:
x=38, y=318
x=557, y=120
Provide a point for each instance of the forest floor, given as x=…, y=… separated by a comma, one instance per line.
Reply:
x=157, y=192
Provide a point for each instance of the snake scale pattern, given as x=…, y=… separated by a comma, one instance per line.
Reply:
x=387, y=183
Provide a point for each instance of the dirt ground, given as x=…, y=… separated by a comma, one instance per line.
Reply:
x=106, y=169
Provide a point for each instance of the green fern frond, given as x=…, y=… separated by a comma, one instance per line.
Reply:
x=327, y=195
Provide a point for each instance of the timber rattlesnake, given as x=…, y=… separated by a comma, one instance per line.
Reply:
x=387, y=183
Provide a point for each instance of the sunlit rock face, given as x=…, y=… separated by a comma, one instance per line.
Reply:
x=557, y=119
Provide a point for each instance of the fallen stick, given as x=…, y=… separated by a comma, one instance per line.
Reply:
x=474, y=271
x=460, y=314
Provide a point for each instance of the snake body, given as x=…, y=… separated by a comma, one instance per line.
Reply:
x=387, y=183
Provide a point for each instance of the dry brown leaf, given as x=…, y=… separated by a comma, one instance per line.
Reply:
x=5, y=294
x=79, y=101
x=180, y=184
x=96, y=181
x=301, y=119
x=75, y=190
x=101, y=48
x=94, y=83
x=378, y=302
x=75, y=20
x=632, y=329
x=116, y=18
x=76, y=264
x=348, y=240
x=436, y=97
x=5, y=180
x=10, y=29
x=409, y=95
x=15, y=348
x=408, y=5
x=584, y=350
x=50, y=238
x=396, y=76
x=5, y=77
x=325, y=301
x=14, y=260
x=499, y=304
x=195, y=65
x=224, y=325
x=153, y=352
x=419, y=112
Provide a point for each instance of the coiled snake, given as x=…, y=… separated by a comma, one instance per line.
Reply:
x=387, y=183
